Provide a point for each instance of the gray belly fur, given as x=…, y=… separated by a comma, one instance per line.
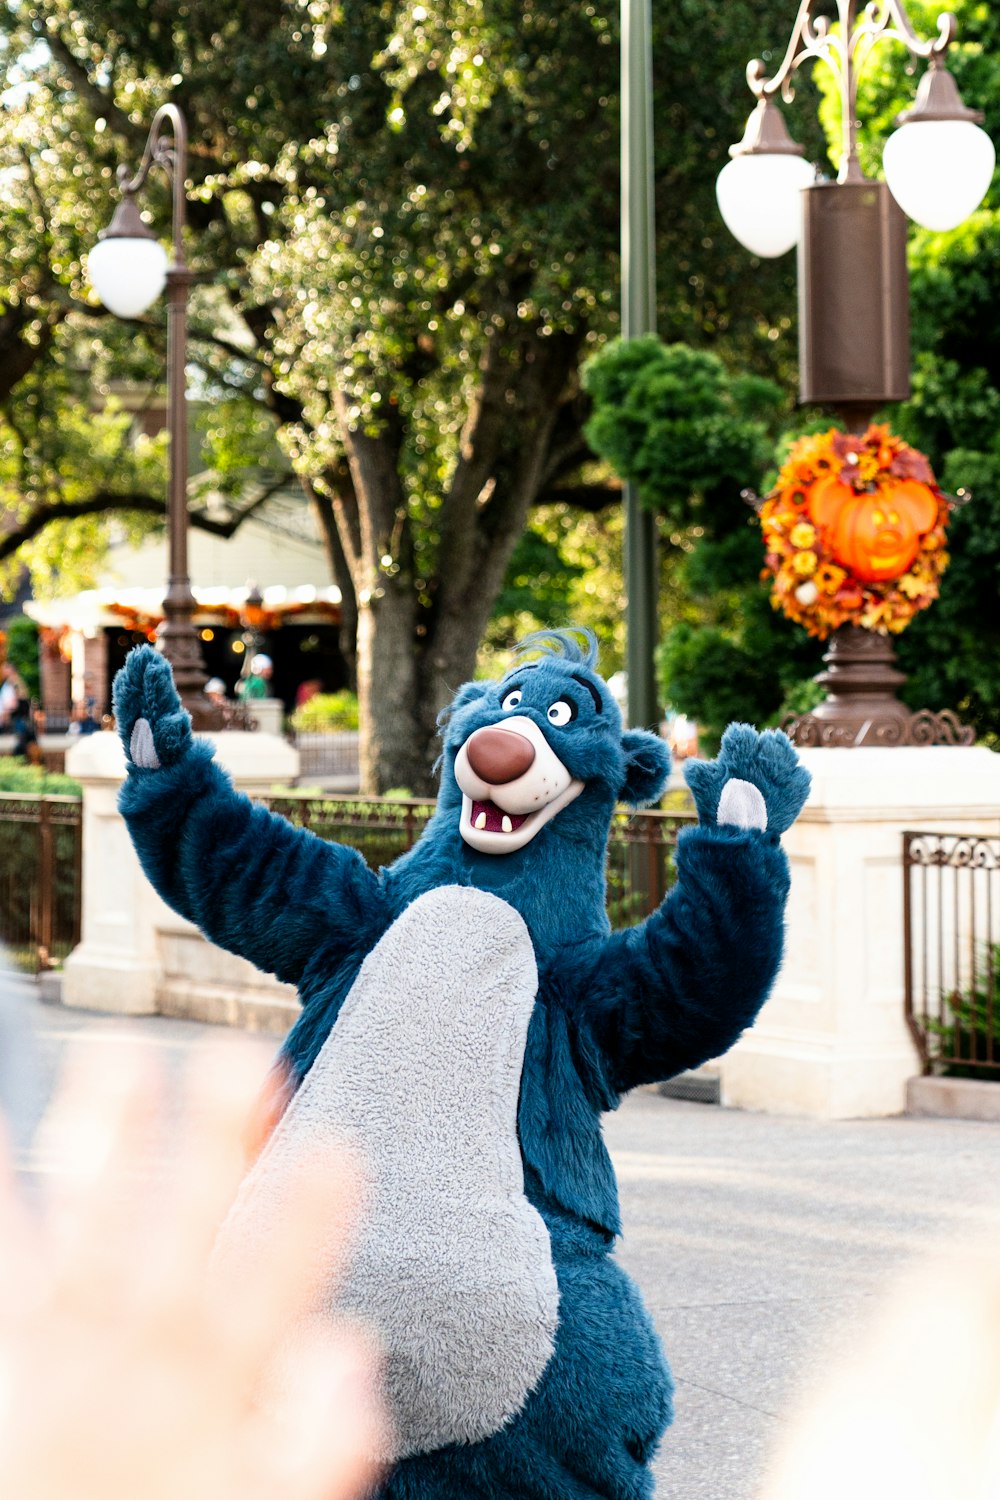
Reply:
x=420, y=1074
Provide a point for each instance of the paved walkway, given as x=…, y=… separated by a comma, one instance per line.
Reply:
x=759, y=1242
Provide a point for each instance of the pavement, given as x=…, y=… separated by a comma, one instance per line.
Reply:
x=761, y=1243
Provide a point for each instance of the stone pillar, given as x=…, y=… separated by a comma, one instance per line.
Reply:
x=832, y=1041
x=56, y=698
x=268, y=713
x=95, y=672
x=136, y=956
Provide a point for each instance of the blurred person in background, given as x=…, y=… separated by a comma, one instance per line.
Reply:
x=257, y=683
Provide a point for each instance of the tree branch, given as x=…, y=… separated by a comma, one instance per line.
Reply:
x=73, y=510
x=590, y=497
x=102, y=502
x=101, y=104
x=373, y=459
x=247, y=356
x=17, y=357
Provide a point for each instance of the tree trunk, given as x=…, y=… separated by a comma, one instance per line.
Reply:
x=396, y=741
x=347, y=635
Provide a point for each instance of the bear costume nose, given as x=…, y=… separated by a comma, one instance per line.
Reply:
x=499, y=755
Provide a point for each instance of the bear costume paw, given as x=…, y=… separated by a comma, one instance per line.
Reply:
x=155, y=729
x=756, y=782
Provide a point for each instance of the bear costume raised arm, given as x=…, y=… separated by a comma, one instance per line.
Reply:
x=467, y=1017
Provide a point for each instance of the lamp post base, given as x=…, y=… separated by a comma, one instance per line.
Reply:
x=861, y=707
x=178, y=641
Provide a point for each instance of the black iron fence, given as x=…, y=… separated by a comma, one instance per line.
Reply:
x=951, y=910
x=40, y=877
x=641, y=852
x=41, y=848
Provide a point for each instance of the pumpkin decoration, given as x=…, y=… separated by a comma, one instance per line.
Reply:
x=875, y=534
x=855, y=532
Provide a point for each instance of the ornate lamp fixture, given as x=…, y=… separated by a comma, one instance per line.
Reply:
x=854, y=337
x=937, y=174
x=852, y=233
x=128, y=269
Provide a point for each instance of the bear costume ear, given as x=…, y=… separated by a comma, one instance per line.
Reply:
x=647, y=766
x=467, y=693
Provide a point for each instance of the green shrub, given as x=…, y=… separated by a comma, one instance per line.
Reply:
x=35, y=781
x=327, y=713
x=968, y=1041
x=22, y=652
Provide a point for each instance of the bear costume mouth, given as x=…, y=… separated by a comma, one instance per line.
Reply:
x=487, y=816
x=532, y=781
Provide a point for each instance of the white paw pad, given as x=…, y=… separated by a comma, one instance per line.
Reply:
x=741, y=804
x=141, y=747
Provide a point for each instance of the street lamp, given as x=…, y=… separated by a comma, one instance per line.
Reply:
x=851, y=234
x=128, y=269
x=854, y=319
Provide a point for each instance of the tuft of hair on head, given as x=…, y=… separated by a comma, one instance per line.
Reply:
x=576, y=644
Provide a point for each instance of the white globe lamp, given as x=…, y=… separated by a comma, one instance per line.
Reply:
x=939, y=163
x=128, y=266
x=759, y=191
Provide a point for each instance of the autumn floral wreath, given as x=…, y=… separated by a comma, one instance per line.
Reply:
x=855, y=532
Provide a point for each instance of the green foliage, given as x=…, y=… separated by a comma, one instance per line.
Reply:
x=327, y=713
x=708, y=675
x=968, y=1038
x=675, y=422
x=35, y=781
x=374, y=186
x=566, y=570
x=22, y=652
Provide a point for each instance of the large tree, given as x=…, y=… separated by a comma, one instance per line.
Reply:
x=406, y=219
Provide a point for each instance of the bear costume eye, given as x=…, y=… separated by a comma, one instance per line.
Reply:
x=561, y=712
x=512, y=699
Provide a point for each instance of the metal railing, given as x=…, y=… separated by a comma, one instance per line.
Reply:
x=40, y=877
x=951, y=918
x=41, y=858
x=641, y=848
x=332, y=755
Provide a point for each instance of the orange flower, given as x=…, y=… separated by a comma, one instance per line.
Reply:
x=829, y=578
x=812, y=586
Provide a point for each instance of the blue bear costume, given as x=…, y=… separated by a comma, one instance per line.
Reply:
x=532, y=768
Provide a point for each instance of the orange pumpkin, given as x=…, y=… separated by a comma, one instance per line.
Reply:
x=875, y=536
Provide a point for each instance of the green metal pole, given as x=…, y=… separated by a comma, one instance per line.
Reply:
x=638, y=317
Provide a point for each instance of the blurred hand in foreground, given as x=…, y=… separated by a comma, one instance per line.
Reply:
x=916, y=1410
x=125, y=1371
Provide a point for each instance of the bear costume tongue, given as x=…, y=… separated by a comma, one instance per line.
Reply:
x=494, y=818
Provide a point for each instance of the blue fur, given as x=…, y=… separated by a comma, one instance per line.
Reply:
x=614, y=1009
x=766, y=760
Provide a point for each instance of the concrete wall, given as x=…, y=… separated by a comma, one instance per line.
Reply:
x=136, y=956
x=833, y=1041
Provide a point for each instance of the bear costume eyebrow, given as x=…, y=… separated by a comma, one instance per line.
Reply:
x=585, y=682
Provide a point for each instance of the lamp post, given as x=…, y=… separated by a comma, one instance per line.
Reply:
x=854, y=340
x=128, y=268
x=638, y=317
